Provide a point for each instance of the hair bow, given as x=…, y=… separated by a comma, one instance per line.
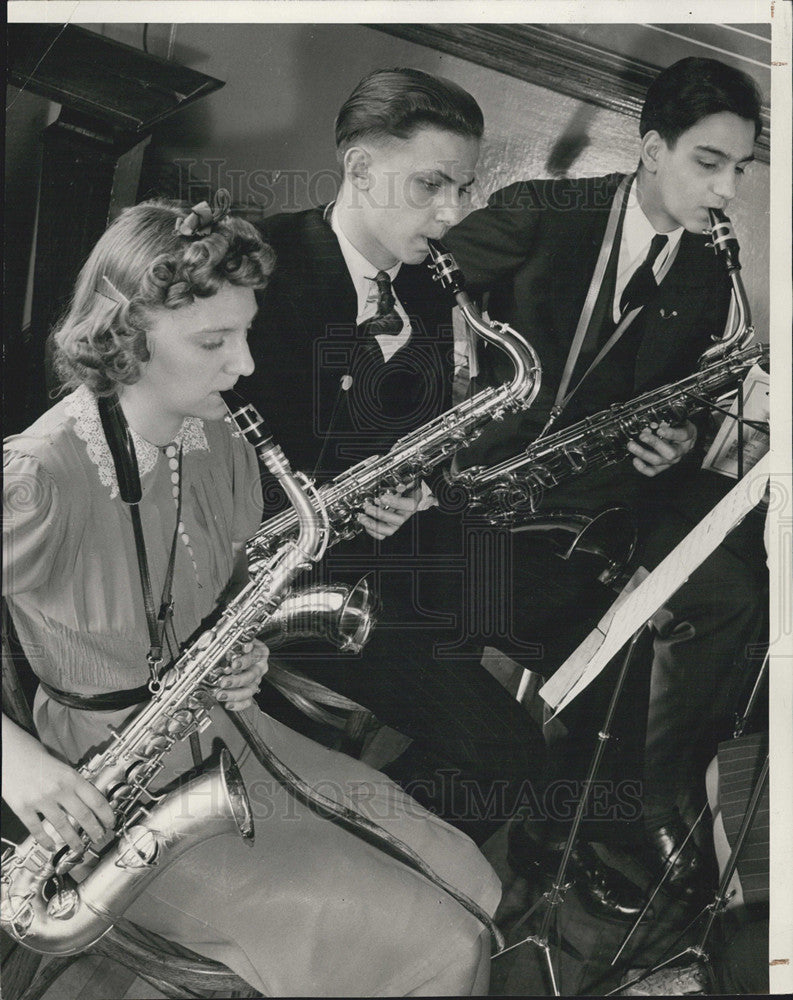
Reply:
x=202, y=218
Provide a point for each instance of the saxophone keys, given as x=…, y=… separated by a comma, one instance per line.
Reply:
x=178, y=722
x=16, y=909
x=138, y=847
x=64, y=904
x=158, y=744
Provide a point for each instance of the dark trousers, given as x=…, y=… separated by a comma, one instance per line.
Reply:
x=707, y=650
x=475, y=750
x=556, y=603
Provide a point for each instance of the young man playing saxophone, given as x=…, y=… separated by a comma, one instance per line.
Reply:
x=565, y=262
x=357, y=338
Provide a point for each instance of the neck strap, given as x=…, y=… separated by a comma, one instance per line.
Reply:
x=564, y=393
x=122, y=448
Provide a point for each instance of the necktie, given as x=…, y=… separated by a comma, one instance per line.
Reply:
x=386, y=319
x=642, y=282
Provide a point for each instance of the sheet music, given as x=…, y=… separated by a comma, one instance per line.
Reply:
x=623, y=619
x=723, y=453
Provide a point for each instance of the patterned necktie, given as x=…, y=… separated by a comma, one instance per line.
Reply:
x=642, y=282
x=386, y=319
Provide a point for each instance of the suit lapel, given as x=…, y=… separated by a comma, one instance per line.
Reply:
x=422, y=300
x=329, y=278
x=578, y=246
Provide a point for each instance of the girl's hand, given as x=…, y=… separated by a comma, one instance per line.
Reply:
x=243, y=676
x=54, y=801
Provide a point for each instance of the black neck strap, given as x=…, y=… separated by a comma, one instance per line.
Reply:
x=119, y=440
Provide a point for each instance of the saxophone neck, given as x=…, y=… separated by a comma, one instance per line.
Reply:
x=738, y=331
x=309, y=542
x=309, y=545
x=525, y=385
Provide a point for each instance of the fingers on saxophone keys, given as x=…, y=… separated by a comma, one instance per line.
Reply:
x=378, y=526
x=58, y=828
x=81, y=818
x=42, y=832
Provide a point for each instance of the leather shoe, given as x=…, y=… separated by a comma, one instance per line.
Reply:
x=686, y=877
x=602, y=890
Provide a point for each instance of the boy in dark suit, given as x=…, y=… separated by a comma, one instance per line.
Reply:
x=613, y=283
x=356, y=338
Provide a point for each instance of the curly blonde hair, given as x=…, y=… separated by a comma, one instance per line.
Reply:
x=101, y=341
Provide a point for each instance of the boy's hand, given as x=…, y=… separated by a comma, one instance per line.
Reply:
x=658, y=449
x=383, y=516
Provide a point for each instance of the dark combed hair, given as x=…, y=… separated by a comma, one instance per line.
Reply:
x=693, y=88
x=101, y=341
x=394, y=103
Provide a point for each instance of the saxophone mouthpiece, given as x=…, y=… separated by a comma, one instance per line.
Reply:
x=436, y=248
x=445, y=268
x=249, y=423
x=725, y=243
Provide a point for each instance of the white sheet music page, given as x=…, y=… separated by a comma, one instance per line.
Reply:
x=723, y=453
x=630, y=612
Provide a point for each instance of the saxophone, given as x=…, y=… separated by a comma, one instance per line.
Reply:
x=415, y=454
x=42, y=904
x=512, y=492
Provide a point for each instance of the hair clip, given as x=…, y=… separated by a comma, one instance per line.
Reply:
x=108, y=290
x=202, y=218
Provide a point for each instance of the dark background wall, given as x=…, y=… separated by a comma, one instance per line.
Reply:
x=268, y=134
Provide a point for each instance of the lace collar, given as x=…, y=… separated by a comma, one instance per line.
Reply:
x=81, y=406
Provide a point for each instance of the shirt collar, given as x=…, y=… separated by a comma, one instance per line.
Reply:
x=361, y=270
x=82, y=407
x=638, y=231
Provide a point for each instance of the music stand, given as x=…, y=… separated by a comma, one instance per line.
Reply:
x=740, y=725
x=629, y=621
x=555, y=896
x=697, y=951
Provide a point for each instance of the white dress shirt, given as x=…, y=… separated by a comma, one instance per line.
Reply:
x=363, y=278
x=637, y=232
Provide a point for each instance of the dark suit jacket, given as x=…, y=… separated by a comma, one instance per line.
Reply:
x=534, y=249
x=304, y=341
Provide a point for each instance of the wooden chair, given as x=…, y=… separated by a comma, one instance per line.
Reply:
x=168, y=967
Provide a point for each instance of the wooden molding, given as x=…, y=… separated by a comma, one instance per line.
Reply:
x=539, y=55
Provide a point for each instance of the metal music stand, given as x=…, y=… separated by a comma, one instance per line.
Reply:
x=640, y=605
x=554, y=898
x=722, y=896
